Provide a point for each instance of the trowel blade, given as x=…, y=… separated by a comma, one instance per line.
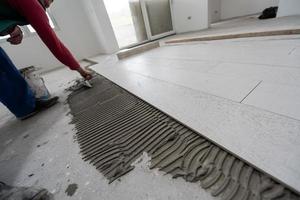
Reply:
x=87, y=84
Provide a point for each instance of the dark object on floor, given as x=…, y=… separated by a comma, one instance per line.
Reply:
x=114, y=128
x=70, y=191
x=23, y=193
x=44, y=104
x=269, y=13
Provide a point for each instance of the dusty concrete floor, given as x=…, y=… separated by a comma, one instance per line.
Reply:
x=42, y=152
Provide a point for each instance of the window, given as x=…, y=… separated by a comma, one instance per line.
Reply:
x=28, y=30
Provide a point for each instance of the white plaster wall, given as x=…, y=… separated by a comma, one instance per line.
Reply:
x=236, y=8
x=83, y=36
x=288, y=7
x=196, y=10
x=101, y=25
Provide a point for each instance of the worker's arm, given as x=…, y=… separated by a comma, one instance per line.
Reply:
x=36, y=16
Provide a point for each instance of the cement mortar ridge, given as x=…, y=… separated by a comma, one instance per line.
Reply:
x=114, y=128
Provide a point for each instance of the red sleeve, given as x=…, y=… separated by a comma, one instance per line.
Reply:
x=36, y=16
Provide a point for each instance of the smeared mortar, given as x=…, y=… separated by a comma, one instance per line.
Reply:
x=114, y=128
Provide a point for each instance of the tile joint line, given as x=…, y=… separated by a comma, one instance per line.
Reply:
x=251, y=91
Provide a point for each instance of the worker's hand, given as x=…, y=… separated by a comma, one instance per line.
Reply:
x=87, y=75
x=16, y=36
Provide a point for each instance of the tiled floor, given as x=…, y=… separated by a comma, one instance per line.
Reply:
x=203, y=85
x=279, y=98
x=230, y=69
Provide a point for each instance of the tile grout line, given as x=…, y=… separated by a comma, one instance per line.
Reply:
x=251, y=91
x=290, y=53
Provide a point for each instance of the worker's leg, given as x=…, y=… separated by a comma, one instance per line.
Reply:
x=15, y=93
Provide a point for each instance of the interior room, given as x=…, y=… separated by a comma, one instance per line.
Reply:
x=150, y=99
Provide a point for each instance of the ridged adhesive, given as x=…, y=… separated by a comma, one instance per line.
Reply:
x=114, y=128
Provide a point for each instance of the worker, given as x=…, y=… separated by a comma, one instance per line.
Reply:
x=15, y=93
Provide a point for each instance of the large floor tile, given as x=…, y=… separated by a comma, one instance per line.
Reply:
x=278, y=98
x=230, y=87
x=266, y=73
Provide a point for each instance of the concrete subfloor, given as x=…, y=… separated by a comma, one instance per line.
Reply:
x=42, y=152
x=242, y=94
x=243, y=25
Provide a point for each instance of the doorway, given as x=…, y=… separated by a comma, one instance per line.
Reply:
x=138, y=21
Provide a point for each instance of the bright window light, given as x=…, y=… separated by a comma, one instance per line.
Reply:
x=121, y=19
x=31, y=29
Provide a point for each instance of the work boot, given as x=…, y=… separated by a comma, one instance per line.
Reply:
x=41, y=105
x=23, y=193
x=44, y=104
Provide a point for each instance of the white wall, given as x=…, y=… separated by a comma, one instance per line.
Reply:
x=83, y=36
x=196, y=10
x=235, y=8
x=99, y=21
x=288, y=7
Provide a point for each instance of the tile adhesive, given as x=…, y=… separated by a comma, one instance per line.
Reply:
x=114, y=128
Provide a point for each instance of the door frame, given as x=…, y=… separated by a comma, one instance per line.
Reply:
x=147, y=23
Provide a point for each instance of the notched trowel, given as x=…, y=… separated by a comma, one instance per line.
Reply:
x=87, y=84
x=81, y=84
